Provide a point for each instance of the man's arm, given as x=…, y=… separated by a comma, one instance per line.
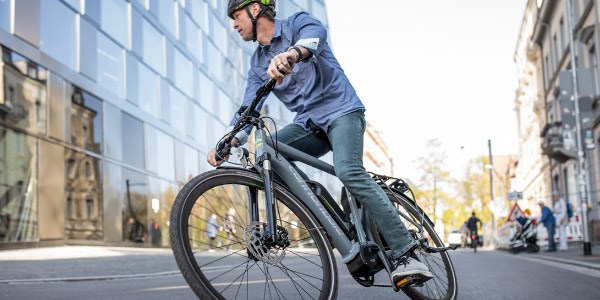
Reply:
x=254, y=82
x=310, y=34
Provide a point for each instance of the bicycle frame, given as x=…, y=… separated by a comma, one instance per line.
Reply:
x=273, y=161
x=268, y=160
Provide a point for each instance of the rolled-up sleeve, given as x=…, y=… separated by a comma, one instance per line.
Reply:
x=310, y=33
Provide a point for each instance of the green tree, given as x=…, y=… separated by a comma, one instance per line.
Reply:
x=434, y=174
x=474, y=190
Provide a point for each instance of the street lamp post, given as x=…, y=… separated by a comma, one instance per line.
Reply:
x=581, y=170
x=492, y=200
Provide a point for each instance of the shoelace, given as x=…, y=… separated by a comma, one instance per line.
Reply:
x=404, y=260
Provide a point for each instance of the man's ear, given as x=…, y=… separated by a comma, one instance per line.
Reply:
x=255, y=9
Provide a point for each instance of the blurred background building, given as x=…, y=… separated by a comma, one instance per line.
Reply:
x=544, y=102
x=108, y=107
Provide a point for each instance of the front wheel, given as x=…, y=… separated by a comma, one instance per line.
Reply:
x=223, y=254
x=443, y=285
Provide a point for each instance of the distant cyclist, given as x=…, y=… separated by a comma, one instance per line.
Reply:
x=329, y=114
x=472, y=224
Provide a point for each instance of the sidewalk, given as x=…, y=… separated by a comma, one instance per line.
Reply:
x=79, y=263
x=573, y=256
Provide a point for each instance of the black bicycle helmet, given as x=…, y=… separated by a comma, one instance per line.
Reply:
x=235, y=5
x=268, y=6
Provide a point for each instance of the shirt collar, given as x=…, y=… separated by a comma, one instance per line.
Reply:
x=276, y=34
x=277, y=31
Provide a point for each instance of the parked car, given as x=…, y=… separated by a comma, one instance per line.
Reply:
x=455, y=238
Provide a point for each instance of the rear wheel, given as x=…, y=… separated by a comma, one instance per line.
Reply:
x=443, y=284
x=238, y=263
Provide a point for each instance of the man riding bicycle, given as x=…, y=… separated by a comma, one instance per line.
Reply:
x=329, y=114
x=472, y=224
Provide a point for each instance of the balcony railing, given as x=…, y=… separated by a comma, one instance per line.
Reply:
x=557, y=143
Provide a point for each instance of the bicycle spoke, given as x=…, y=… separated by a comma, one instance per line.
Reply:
x=296, y=285
x=296, y=253
x=299, y=273
x=242, y=280
x=235, y=280
x=303, y=273
x=211, y=279
x=231, y=254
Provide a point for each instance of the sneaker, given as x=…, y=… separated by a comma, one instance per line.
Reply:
x=410, y=271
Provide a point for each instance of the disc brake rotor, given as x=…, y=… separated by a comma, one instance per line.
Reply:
x=254, y=240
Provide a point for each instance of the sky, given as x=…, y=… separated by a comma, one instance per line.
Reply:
x=434, y=69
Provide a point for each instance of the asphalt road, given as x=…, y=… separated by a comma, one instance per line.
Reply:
x=482, y=275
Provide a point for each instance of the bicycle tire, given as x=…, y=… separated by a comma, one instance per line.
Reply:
x=443, y=285
x=316, y=276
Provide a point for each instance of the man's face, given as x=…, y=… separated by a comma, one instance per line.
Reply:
x=242, y=22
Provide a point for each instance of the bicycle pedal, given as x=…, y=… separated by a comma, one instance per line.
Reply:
x=415, y=280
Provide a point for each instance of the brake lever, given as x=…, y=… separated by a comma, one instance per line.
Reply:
x=223, y=149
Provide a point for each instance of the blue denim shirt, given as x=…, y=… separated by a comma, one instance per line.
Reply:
x=547, y=217
x=317, y=89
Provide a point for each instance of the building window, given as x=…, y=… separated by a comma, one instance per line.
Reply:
x=148, y=89
x=69, y=207
x=5, y=18
x=555, y=51
x=178, y=107
x=110, y=66
x=183, y=73
x=160, y=156
x=562, y=34
x=548, y=70
x=18, y=190
x=114, y=20
x=86, y=121
x=88, y=49
x=594, y=67
x=24, y=86
x=89, y=208
x=58, y=36
x=88, y=170
x=132, y=140
x=166, y=11
x=153, y=47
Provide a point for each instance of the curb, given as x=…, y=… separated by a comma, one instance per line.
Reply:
x=570, y=262
x=89, y=278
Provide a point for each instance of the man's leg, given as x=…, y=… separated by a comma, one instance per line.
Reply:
x=551, y=243
x=346, y=137
x=562, y=233
x=308, y=141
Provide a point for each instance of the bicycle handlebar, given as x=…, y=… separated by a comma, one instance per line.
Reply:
x=224, y=145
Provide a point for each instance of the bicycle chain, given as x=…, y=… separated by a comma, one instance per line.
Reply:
x=366, y=283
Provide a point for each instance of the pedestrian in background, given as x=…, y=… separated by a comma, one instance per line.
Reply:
x=155, y=234
x=547, y=219
x=229, y=227
x=562, y=220
x=212, y=230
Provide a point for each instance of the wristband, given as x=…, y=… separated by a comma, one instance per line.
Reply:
x=300, y=56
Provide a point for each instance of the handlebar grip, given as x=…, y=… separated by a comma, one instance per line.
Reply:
x=223, y=149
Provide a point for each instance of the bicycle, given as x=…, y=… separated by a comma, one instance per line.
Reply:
x=474, y=240
x=288, y=226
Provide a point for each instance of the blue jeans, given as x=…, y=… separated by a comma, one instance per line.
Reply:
x=551, y=232
x=345, y=138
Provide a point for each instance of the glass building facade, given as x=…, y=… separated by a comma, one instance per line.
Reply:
x=108, y=107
